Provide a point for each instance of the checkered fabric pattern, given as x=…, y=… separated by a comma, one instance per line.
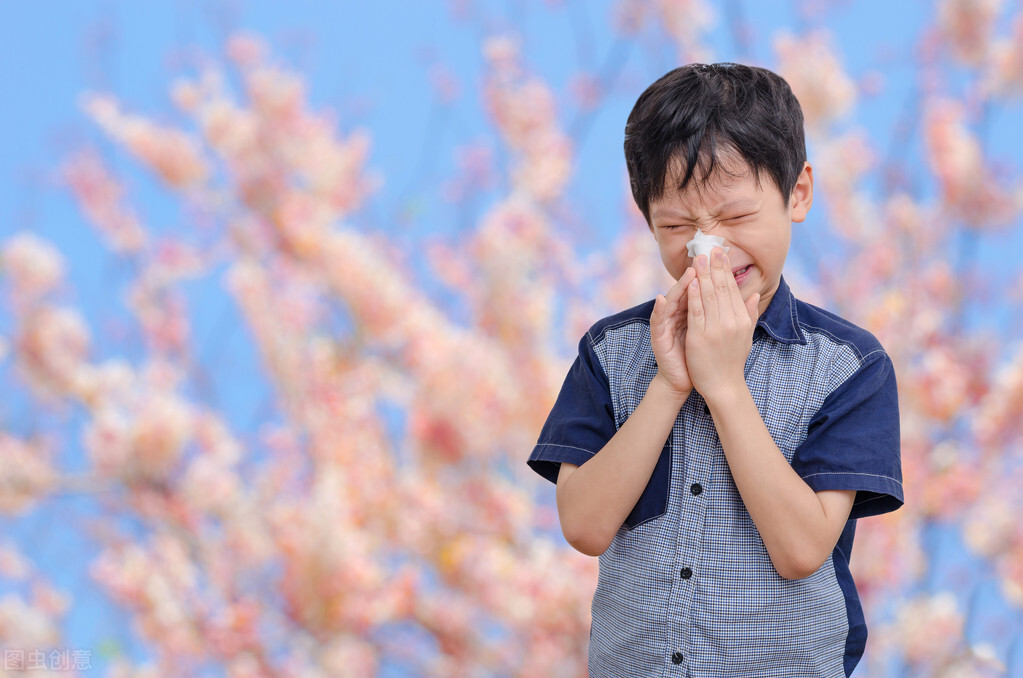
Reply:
x=687, y=588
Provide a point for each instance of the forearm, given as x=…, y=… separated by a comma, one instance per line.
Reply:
x=798, y=529
x=595, y=498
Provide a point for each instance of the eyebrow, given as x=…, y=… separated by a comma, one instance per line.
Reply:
x=740, y=204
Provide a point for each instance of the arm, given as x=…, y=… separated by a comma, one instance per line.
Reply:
x=799, y=527
x=595, y=498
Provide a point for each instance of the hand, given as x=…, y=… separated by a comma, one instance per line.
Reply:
x=668, y=323
x=720, y=327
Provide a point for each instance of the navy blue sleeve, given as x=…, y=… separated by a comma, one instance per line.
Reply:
x=852, y=441
x=582, y=420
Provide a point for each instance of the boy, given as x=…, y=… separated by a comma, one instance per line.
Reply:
x=715, y=446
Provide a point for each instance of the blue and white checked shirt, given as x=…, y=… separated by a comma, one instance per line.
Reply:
x=687, y=587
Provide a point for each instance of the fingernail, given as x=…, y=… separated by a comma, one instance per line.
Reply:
x=695, y=283
x=719, y=254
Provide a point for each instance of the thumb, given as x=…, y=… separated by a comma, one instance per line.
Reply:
x=657, y=315
x=753, y=307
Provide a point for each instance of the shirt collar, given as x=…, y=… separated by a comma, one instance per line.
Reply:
x=779, y=319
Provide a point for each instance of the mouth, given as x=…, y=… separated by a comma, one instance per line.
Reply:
x=741, y=274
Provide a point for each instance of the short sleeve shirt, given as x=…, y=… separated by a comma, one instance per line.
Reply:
x=686, y=587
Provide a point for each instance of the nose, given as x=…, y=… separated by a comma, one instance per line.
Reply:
x=703, y=244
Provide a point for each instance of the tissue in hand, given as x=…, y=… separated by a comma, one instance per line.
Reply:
x=703, y=244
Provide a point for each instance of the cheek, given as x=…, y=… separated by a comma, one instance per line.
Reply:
x=674, y=253
x=671, y=264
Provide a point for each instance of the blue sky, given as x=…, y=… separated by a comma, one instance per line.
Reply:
x=370, y=62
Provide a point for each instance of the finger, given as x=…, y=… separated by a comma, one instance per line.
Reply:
x=676, y=297
x=677, y=291
x=721, y=275
x=683, y=285
x=659, y=316
x=706, y=287
x=696, y=318
x=660, y=321
x=734, y=295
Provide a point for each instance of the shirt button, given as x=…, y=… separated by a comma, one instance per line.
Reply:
x=696, y=488
x=677, y=658
x=686, y=573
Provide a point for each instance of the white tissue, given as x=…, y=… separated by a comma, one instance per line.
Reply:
x=703, y=244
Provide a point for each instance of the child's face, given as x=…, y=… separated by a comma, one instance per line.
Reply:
x=755, y=221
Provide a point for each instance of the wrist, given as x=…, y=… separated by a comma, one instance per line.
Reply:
x=660, y=386
x=726, y=394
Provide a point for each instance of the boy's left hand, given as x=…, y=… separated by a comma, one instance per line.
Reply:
x=721, y=324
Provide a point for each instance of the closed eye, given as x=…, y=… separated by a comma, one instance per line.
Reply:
x=740, y=217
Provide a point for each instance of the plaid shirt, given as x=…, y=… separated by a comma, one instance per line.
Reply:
x=686, y=587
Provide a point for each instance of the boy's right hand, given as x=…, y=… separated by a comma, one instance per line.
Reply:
x=668, y=323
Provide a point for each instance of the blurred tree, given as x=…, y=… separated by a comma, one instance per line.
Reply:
x=383, y=520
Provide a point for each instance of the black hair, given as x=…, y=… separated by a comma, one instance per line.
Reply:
x=699, y=113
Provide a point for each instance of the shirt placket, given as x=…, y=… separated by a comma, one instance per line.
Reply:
x=693, y=430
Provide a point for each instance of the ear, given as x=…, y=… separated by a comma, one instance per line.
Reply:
x=802, y=194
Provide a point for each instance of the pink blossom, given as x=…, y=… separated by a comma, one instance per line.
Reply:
x=172, y=154
x=99, y=195
x=336, y=169
x=846, y=160
x=26, y=474
x=629, y=277
x=503, y=52
x=946, y=382
x=162, y=315
x=48, y=599
x=186, y=95
x=244, y=666
x=816, y=77
x=685, y=22
x=34, y=267
x=26, y=626
x=1000, y=411
x=1004, y=75
x=970, y=190
x=989, y=526
x=348, y=656
x=143, y=441
x=928, y=629
x=276, y=95
x=13, y=565
x=52, y=347
x=356, y=523
x=476, y=171
x=966, y=25
x=895, y=536
x=246, y=49
x=524, y=110
x=228, y=129
x=157, y=581
x=548, y=168
x=302, y=220
x=122, y=668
